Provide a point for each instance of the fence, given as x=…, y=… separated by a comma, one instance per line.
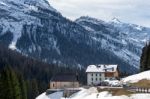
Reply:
x=138, y=89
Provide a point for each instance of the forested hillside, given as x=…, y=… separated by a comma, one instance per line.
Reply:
x=24, y=78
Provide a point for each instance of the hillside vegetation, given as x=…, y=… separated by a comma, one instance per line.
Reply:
x=27, y=74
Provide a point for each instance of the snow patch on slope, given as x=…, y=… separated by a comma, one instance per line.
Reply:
x=15, y=28
x=137, y=77
x=56, y=47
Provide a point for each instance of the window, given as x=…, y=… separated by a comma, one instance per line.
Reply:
x=96, y=74
x=112, y=69
x=92, y=79
x=96, y=79
x=100, y=79
x=91, y=74
x=99, y=74
x=53, y=85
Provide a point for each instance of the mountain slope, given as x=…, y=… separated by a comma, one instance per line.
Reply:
x=124, y=40
x=34, y=28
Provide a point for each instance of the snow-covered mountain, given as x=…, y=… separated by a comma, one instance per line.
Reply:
x=16, y=13
x=36, y=29
x=124, y=40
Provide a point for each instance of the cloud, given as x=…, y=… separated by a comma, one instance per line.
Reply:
x=131, y=11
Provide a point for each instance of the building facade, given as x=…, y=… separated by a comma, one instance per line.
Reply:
x=61, y=81
x=94, y=78
x=99, y=73
x=63, y=85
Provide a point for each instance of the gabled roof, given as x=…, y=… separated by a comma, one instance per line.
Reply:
x=101, y=68
x=68, y=77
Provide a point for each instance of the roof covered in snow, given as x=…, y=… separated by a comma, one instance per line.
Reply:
x=101, y=68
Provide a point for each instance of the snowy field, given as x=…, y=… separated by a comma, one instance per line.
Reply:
x=137, y=77
x=92, y=92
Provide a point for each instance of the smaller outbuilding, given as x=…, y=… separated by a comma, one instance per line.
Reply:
x=61, y=81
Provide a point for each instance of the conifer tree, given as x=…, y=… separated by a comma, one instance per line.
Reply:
x=15, y=86
x=9, y=85
x=145, y=58
x=35, y=91
x=6, y=84
x=28, y=84
x=23, y=87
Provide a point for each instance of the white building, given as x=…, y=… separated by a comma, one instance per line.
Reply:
x=99, y=73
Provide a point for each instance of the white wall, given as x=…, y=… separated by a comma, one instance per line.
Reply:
x=100, y=77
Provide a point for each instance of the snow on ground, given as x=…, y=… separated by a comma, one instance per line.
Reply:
x=92, y=93
x=56, y=95
x=140, y=96
x=84, y=93
x=43, y=96
x=137, y=77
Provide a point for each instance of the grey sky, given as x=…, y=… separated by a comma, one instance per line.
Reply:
x=130, y=11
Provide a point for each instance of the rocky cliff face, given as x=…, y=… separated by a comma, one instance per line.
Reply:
x=34, y=28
